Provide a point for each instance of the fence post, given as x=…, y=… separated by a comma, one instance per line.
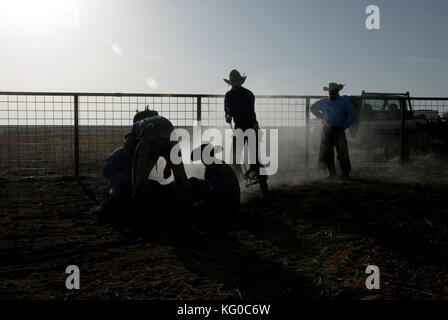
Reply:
x=198, y=109
x=403, y=140
x=307, y=123
x=76, y=134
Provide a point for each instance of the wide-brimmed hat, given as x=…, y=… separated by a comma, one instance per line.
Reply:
x=334, y=86
x=235, y=78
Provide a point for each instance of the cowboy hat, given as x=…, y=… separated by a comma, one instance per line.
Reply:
x=235, y=78
x=334, y=86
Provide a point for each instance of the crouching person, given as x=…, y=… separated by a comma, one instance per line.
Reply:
x=118, y=173
x=148, y=141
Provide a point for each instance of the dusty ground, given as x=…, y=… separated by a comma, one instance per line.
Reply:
x=313, y=240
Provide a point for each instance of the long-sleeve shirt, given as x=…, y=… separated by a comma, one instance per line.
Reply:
x=118, y=167
x=240, y=105
x=337, y=113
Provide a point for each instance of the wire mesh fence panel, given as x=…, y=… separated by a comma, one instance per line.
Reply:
x=40, y=135
x=104, y=122
x=36, y=135
x=288, y=116
x=432, y=109
x=428, y=130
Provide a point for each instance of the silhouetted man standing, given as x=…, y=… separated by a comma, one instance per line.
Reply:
x=239, y=105
x=337, y=113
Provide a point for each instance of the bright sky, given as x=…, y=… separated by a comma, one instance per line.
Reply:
x=189, y=46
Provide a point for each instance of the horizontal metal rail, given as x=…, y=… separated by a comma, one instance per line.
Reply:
x=189, y=95
x=429, y=98
x=120, y=94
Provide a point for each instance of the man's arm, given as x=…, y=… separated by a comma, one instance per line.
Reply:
x=351, y=113
x=227, y=110
x=251, y=112
x=114, y=164
x=316, y=109
x=131, y=141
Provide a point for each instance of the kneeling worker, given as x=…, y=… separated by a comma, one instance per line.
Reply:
x=150, y=139
x=128, y=167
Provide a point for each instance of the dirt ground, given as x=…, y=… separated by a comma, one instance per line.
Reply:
x=312, y=240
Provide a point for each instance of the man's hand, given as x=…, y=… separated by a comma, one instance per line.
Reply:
x=228, y=119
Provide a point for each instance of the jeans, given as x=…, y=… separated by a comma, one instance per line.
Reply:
x=236, y=153
x=334, y=138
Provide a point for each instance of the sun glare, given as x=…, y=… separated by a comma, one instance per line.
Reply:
x=36, y=15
